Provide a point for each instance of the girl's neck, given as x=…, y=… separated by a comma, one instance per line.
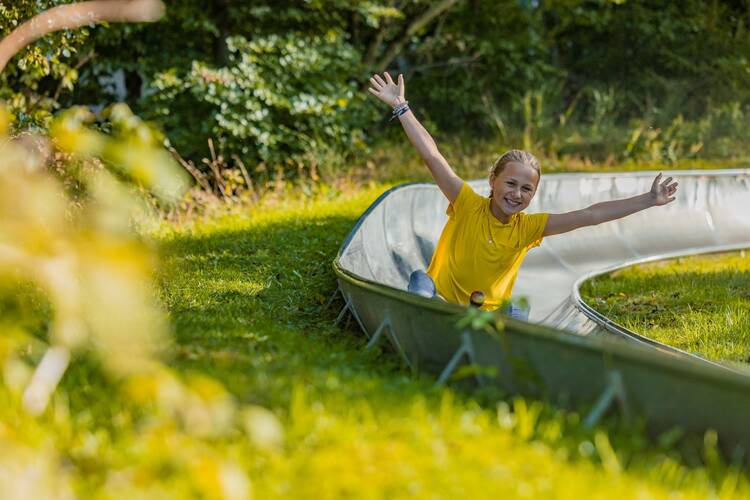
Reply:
x=498, y=214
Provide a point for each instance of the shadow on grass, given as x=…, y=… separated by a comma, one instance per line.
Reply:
x=248, y=306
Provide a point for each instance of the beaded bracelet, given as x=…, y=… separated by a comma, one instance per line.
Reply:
x=400, y=109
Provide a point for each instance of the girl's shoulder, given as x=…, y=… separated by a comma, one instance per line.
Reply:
x=531, y=228
x=467, y=201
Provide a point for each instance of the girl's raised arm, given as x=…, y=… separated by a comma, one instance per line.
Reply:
x=392, y=94
x=661, y=193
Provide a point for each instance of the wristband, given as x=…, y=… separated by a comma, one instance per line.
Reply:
x=400, y=109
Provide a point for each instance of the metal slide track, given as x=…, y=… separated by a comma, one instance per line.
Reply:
x=568, y=353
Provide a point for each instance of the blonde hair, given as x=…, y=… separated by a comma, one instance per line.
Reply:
x=517, y=156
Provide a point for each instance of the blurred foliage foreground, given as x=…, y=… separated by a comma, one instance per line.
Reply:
x=71, y=250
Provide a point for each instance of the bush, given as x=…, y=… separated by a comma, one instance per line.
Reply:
x=279, y=99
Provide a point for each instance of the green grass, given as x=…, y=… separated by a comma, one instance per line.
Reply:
x=697, y=304
x=246, y=292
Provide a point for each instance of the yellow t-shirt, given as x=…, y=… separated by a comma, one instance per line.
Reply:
x=478, y=252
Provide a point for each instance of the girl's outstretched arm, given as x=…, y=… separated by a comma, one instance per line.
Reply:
x=661, y=193
x=392, y=94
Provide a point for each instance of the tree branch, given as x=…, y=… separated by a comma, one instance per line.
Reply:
x=81, y=63
x=74, y=16
x=453, y=61
x=372, y=49
x=395, y=48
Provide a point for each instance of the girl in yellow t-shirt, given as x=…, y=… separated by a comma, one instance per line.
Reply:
x=485, y=240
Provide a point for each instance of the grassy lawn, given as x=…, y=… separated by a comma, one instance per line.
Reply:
x=697, y=304
x=245, y=293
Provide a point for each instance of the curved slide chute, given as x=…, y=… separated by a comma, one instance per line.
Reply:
x=568, y=352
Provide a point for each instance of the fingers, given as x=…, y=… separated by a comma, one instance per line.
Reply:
x=386, y=89
x=656, y=181
x=669, y=190
x=669, y=187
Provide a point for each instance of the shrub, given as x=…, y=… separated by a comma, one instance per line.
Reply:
x=280, y=98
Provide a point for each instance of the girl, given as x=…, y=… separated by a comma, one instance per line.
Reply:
x=485, y=240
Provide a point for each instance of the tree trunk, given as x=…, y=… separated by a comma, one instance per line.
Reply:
x=221, y=51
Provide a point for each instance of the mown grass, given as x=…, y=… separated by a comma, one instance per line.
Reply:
x=246, y=294
x=698, y=304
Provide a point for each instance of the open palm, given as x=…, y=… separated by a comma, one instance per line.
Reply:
x=663, y=191
x=387, y=90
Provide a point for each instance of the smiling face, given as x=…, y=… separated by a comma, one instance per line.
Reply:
x=512, y=189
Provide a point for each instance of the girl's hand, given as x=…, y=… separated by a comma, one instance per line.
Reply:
x=386, y=90
x=663, y=192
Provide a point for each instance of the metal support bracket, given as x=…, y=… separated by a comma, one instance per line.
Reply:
x=332, y=298
x=613, y=393
x=342, y=313
x=348, y=306
x=399, y=348
x=375, y=339
x=466, y=349
x=380, y=332
x=353, y=311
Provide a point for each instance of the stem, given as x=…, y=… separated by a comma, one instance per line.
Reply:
x=45, y=379
x=394, y=49
x=74, y=16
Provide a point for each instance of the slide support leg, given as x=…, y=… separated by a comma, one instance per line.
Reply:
x=613, y=393
x=464, y=350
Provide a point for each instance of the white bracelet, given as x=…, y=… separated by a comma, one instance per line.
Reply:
x=400, y=110
x=398, y=107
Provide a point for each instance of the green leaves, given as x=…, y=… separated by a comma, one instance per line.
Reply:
x=23, y=83
x=279, y=98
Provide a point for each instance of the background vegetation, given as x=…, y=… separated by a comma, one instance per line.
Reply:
x=278, y=86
